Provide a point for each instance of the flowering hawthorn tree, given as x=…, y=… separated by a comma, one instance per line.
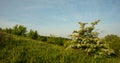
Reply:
x=87, y=40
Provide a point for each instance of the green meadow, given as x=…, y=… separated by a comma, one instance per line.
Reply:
x=23, y=48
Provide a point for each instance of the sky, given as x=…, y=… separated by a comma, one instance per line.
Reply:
x=61, y=17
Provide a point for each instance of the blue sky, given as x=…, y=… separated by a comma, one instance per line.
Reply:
x=60, y=17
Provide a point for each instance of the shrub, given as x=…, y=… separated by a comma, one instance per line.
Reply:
x=56, y=40
x=87, y=40
x=114, y=42
x=19, y=30
x=42, y=38
x=8, y=30
x=33, y=34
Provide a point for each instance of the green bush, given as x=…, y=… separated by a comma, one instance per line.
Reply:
x=8, y=30
x=114, y=42
x=19, y=30
x=33, y=34
x=56, y=40
x=42, y=38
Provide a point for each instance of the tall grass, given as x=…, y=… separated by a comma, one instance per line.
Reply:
x=25, y=50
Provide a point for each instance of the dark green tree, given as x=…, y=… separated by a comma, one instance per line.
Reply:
x=15, y=29
x=19, y=30
x=33, y=34
x=8, y=30
x=56, y=40
x=22, y=30
x=0, y=29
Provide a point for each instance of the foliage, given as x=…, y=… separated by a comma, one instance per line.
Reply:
x=25, y=50
x=0, y=29
x=15, y=48
x=19, y=30
x=33, y=34
x=56, y=40
x=42, y=38
x=114, y=42
x=8, y=30
x=86, y=39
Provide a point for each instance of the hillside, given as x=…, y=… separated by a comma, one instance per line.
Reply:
x=18, y=49
x=21, y=49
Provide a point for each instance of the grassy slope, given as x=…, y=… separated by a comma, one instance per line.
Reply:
x=25, y=50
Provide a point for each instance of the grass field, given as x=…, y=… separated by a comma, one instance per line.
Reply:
x=26, y=50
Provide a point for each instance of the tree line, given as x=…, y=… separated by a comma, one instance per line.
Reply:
x=21, y=30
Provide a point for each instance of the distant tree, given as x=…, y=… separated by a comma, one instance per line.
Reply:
x=42, y=38
x=33, y=34
x=15, y=29
x=19, y=30
x=22, y=30
x=0, y=29
x=111, y=37
x=8, y=30
x=114, y=42
x=87, y=40
x=56, y=40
